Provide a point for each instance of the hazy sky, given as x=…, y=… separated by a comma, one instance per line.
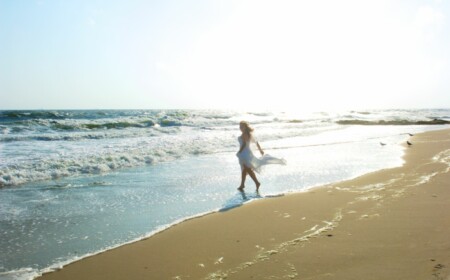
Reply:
x=284, y=55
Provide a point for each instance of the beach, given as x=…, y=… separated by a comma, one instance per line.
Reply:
x=388, y=224
x=224, y=140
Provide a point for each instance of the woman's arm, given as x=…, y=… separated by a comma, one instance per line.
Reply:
x=259, y=148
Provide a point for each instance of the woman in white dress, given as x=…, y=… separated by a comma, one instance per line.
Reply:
x=248, y=161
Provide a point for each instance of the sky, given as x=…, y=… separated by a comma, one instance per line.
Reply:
x=219, y=54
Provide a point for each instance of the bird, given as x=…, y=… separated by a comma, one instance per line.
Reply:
x=409, y=143
x=382, y=144
x=410, y=134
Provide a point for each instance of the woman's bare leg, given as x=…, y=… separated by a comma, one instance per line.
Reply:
x=253, y=176
x=243, y=176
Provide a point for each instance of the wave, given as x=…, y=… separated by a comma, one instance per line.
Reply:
x=118, y=137
x=393, y=122
x=26, y=115
x=48, y=170
x=58, y=130
x=140, y=153
x=119, y=124
x=39, y=122
x=21, y=115
x=51, y=137
x=295, y=121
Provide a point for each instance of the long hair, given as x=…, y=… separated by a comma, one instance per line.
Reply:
x=247, y=128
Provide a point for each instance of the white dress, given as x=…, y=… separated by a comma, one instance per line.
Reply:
x=248, y=159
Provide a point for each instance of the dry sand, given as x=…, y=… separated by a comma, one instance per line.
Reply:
x=390, y=224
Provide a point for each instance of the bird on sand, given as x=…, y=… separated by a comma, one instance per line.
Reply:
x=409, y=143
x=410, y=134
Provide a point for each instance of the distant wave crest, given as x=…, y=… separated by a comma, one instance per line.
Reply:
x=393, y=122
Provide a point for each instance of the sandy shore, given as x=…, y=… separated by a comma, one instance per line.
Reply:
x=391, y=224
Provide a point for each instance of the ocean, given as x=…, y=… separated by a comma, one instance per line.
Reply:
x=74, y=183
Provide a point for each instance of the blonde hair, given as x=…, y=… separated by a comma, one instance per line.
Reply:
x=248, y=129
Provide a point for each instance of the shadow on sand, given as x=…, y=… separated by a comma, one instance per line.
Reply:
x=239, y=199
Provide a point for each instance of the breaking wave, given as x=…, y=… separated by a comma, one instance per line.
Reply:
x=393, y=122
x=42, y=145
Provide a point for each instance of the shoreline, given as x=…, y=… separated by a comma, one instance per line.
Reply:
x=246, y=241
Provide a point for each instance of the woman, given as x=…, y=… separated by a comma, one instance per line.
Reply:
x=248, y=161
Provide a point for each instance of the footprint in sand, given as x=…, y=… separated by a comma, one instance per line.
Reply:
x=437, y=270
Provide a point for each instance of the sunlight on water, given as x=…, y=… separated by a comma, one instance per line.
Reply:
x=83, y=195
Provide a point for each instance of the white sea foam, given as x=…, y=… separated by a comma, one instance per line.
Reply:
x=20, y=274
x=443, y=157
x=43, y=145
x=31, y=273
x=82, y=185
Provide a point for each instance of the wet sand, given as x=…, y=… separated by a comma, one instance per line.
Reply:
x=390, y=224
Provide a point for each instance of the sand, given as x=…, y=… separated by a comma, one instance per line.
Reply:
x=390, y=224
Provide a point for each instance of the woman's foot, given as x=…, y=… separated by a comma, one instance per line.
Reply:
x=241, y=188
x=257, y=186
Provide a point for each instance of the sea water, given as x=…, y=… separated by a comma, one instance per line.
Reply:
x=75, y=183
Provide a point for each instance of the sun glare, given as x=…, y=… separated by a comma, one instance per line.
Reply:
x=300, y=55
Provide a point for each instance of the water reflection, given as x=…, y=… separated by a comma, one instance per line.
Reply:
x=238, y=199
